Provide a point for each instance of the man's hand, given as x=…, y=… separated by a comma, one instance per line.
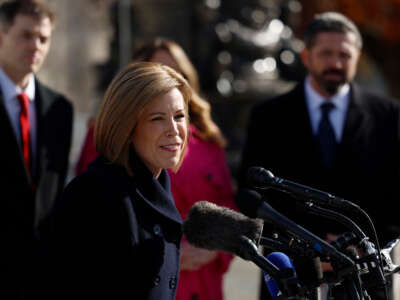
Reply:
x=330, y=237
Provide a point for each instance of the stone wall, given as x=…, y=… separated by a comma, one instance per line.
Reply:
x=80, y=41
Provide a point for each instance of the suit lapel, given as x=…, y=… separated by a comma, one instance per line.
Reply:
x=9, y=138
x=356, y=119
x=47, y=179
x=302, y=124
x=42, y=103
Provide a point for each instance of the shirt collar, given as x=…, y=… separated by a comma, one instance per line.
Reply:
x=11, y=90
x=314, y=99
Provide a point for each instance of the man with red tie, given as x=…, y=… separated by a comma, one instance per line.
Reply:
x=35, y=128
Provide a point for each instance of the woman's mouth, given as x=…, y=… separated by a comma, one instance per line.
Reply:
x=172, y=147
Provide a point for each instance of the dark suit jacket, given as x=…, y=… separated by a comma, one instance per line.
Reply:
x=22, y=209
x=367, y=168
x=116, y=236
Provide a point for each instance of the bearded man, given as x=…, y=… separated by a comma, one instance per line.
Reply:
x=330, y=134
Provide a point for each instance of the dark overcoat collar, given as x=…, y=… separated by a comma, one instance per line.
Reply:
x=155, y=192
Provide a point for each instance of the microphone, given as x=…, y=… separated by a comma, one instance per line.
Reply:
x=289, y=280
x=261, y=178
x=213, y=227
x=256, y=207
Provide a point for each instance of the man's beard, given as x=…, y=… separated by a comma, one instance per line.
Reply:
x=328, y=85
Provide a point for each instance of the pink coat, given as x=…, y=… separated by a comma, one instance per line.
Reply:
x=88, y=152
x=203, y=175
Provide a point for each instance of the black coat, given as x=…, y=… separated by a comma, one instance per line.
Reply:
x=366, y=171
x=22, y=209
x=116, y=236
x=367, y=167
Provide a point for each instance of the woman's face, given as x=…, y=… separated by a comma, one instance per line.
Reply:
x=161, y=132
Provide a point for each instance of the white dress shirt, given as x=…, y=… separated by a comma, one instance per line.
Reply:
x=10, y=92
x=337, y=116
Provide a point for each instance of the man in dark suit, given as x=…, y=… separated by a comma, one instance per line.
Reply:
x=330, y=134
x=35, y=128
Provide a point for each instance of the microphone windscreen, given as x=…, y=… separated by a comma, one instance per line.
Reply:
x=281, y=261
x=214, y=227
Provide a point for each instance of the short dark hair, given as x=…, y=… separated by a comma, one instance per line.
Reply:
x=330, y=22
x=35, y=8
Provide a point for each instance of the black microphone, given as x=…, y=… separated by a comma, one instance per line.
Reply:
x=256, y=207
x=213, y=227
x=261, y=178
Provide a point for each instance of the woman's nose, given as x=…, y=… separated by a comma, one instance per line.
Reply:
x=172, y=128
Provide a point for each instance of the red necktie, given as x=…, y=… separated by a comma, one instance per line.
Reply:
x=24, y=121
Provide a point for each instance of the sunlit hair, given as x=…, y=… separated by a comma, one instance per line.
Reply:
x=186, y=68
x=128, y=94
x=199, y=109
x=34, y=8
x=331, y=22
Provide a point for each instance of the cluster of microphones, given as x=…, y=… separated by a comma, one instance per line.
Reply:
x=214, y=227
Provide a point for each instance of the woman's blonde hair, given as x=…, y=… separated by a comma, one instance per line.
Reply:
x=125, y=99
x=199, y=108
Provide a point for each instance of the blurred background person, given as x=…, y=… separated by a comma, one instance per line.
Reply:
x=36, y=127
x=331, y=134
x=117, y=230
x=204, y=175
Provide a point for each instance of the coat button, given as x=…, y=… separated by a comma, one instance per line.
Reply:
x=194, y=297
x=157, y=280
x=172, y=282
x=157, y=229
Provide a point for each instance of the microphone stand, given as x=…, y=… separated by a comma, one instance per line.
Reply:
x=264, y=179
x=291, y=246
x=286, y=278
x=372, y=258
x=334, y=215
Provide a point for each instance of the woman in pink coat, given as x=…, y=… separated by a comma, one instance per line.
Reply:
x=203, y=176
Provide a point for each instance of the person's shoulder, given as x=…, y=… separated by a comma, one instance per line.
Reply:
x=100, y=174
x=279, y=102
x=100, y=186
x=52, y=95
x=374, y=101
x=88, y=182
